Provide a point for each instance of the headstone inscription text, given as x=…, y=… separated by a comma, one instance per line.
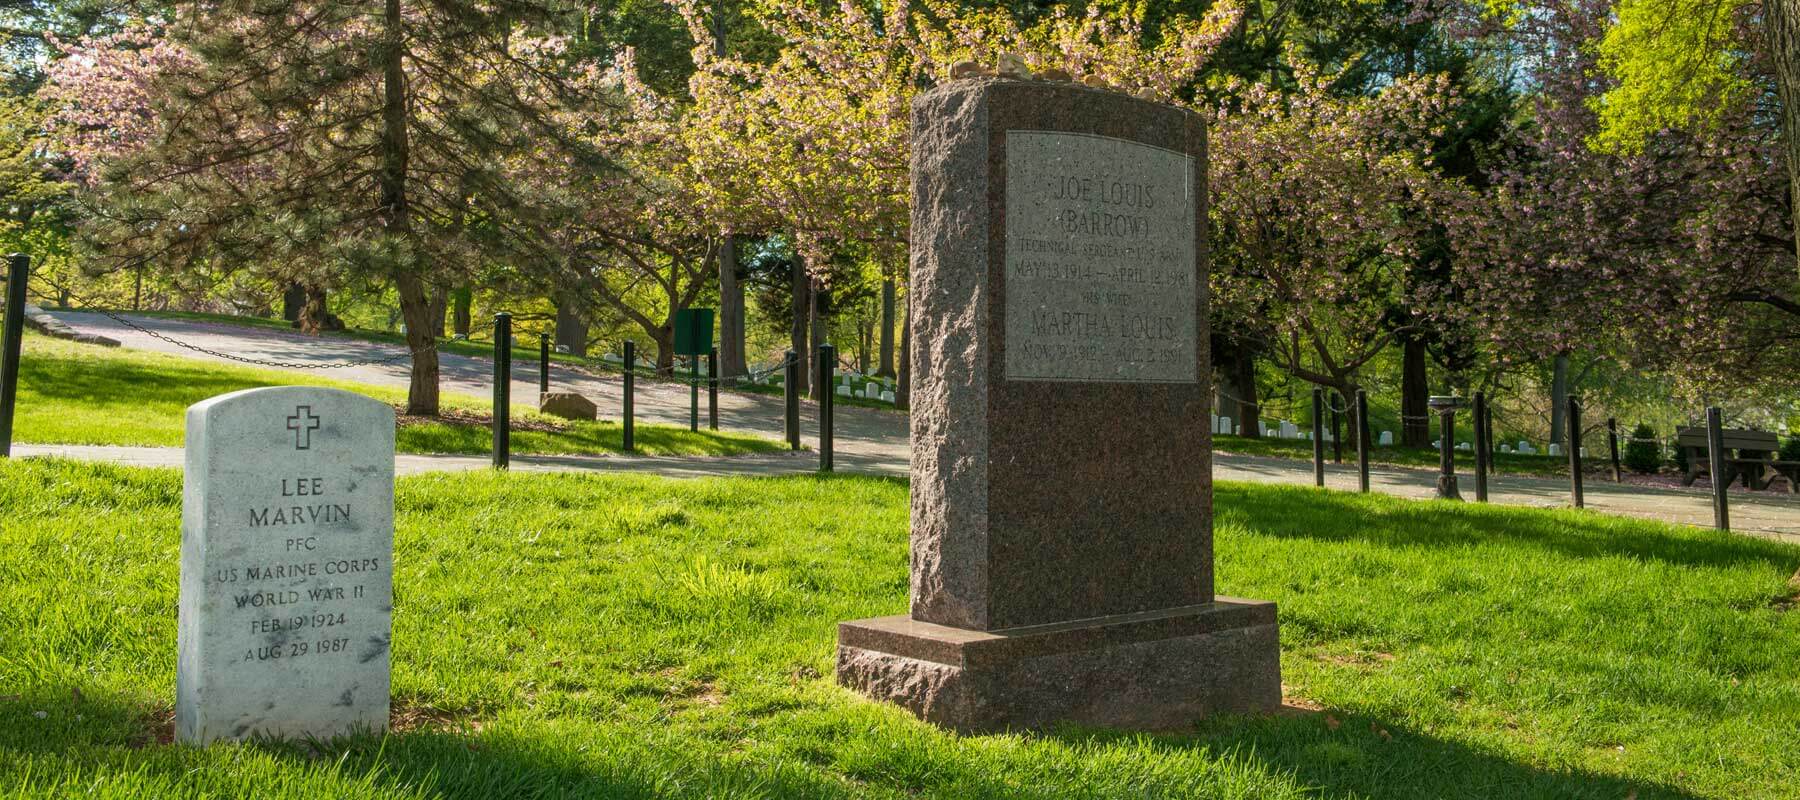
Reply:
x=1100, y=262
x=286, y=565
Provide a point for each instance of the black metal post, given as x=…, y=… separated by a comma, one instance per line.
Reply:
x=18, y=273
x=1715, y=456
x=1612, y=446
x=630, y=420
x=827, y=364
x=1481, y=448
x=1318, y=437
x=502, y=389
x=694, y=393
x=543, y=363
x=1362, y=440
x=1337, y=433
x=1574, y=445
x=1446, y=483
x=712, y=390
x=791, y=396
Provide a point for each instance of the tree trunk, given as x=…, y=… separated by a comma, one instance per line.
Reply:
x=571, y=329
x=865, y=335
x=422, y=394
x=1415, y=394
x=459, y=323
x=903, y=384
x=888, y=291
x=440, y=305
x=293, y=299
x=732, y=359
x=797, y=339
x=820, y=295
x=315, y=311
x=1237, y=385
x=664, y=337
x=1781, y=30
x=1559, y=395
x=421, y=332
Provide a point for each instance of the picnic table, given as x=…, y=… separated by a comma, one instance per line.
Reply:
x=1750, y=455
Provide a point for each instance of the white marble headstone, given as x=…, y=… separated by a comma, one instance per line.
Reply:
x=287, y=543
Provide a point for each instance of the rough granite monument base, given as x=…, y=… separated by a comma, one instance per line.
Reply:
x=1156, y=670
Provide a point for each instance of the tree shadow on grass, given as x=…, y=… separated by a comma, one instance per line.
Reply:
x=1305, y=513
x=1359, y=756
x=107, y=382
x=1337, y=754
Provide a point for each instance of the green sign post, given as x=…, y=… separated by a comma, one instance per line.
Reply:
x=693, y=338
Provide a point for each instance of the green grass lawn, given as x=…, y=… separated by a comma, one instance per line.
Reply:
x=73, y=393
x=1506, y=463
x=632, y=637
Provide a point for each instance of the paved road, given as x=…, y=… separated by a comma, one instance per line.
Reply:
x=867, y=440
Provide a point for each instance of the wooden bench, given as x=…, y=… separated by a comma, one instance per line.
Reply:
x=1755, y=458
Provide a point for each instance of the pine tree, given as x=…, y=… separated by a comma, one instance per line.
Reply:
x=321, y=141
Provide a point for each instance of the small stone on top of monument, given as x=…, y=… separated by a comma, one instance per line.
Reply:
x=1010, y=65
x=287, y=544
x=966, y=69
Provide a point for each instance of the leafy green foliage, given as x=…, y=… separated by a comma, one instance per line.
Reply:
x=1676, y=64
x=1642, y=453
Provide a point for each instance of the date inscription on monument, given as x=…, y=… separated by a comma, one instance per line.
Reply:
x=1100, y=262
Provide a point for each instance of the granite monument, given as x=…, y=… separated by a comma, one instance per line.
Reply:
x=1062, y=563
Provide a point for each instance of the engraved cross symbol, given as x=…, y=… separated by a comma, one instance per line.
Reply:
x=303, y=423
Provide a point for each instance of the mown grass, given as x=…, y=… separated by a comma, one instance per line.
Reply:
x=627, y=637
x=73, y=393
x=1506, y=463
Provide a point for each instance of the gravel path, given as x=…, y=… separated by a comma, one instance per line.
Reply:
x=867, y=440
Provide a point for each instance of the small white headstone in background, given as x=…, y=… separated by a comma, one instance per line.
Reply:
x=287, y=544
x=1555, y=449
x=843, y=390
x=1386, y=440
x=887, y=397
x=1506, y=448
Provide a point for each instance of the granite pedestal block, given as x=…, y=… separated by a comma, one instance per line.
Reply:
x=1157, y=670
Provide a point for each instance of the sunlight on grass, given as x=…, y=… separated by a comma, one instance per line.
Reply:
x=625, y=636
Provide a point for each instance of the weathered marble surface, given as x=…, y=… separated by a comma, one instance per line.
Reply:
x=286, y=565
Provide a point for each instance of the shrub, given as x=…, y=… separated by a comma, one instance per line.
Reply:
x=1642, y=452
x=1790, y=449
